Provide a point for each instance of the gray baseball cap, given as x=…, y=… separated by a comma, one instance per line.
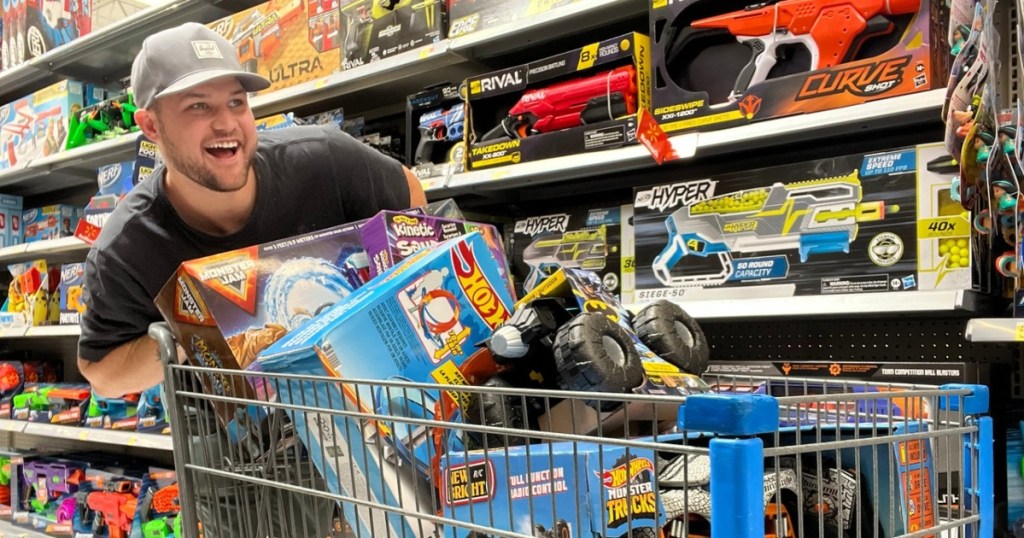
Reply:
x=183, y=57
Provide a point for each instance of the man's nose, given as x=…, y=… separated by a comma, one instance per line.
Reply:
x=223, y=119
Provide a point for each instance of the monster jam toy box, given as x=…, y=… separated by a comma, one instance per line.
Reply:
x=36, y=125
x=722, y=63
x=373, y=30
x=879, y=222
x=577, y=102
x=468, y=16
x=583, y=239
x=287, y=41
x=419, y=322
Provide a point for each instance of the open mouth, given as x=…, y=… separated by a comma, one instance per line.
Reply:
x=222, y=150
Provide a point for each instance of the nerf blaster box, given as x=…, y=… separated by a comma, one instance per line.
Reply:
x=105, y=504
x=16, y=373
x=34, y=27
x=287, y=41
x=113, y=413
x=418, y=322
x=43, y=487
x=50, y=222
x=58, y=403
x=36, y=125
x=564, y=489
x=373, y=30
x=468, y=16
x=11, y=232
x=158, y=511
x=863, y=223
x=152, y=416
x=435, y=123
x=723, y=63
x=577, y=102
x=72, y=285
x=588, y=239
x=102, y=121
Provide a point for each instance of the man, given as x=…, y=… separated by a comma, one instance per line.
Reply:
x=222, y=188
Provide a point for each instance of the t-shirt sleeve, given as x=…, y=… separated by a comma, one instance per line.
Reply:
x=118, y=309
x=367, y=180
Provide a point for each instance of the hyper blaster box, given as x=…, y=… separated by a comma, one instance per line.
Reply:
x=35, y=125
x=226, y=308
x=374, y=30
x=419, y=322
x=720, y=63
x=287, y=41
x=587, y=239
x=469, y=16
x=577, y=102
x=852, y=224
x=435, y=120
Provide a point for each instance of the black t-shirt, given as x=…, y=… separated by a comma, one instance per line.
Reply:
x=308, y=178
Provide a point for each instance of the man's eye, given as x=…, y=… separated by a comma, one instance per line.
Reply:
x=198, y=106
x=235, y=103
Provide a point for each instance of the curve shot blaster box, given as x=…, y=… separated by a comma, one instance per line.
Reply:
x=419, y=322
x=287, y=41
x=584, y=100
x=722, y=63
x=881, y=222
x=373, y=30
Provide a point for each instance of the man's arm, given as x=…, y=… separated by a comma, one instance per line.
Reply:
x=131, y=367
x=416, y=195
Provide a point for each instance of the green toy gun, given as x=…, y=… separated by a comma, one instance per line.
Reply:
x=108, y=119
x=36, y=400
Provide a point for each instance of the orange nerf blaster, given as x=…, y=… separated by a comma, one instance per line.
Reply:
x=833, y=31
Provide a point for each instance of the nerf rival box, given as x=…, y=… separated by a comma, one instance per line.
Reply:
x=880, y=222
x=588, y=239
x=373, y=30
x=720, y=63
x=577, y=102
x=468, y=16
x=36, y=125
x=418, y=322
x=435, y=123
x=287, y=41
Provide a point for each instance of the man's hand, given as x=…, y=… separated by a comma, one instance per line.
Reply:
x=131, y=367
x=417, y=197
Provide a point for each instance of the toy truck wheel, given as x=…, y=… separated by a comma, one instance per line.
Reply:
x=670, y=332
x=499, y=410
x=593, y=353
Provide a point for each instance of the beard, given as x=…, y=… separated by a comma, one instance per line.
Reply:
x=201, y=174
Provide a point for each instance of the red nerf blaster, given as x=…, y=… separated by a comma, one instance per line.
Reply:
x=601, y=97
x=117, y=510
x=833, y=31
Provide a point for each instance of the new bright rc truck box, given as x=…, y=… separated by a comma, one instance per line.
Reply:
x=419, y=322
x=573, y=103
x=722, y=63
x=860, y=223
x=287, y=41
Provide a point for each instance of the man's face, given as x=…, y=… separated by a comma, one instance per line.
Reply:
x=208, y=134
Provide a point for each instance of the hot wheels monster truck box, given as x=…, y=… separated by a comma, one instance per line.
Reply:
x=468, y=16
x=859, y=223
x=226, y=308
x=587, y=239
x=722, y=63
x=420, y=322
x=287, y=41
x=563, y=489
x=581, y=101
x=373, y=30
x=36, y=125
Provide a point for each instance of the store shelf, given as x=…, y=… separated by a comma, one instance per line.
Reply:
x=57, y=250
x=68, y=168
x=851, y=304
x=995, y=330
x=9, y=530
x=40, y=332
x=865, y=118
x=92, y=435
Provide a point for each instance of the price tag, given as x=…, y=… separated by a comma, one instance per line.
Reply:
x=82, y=436
x=132, y=440
x=498, y=175
x=1019, y=333
x=425, y=51
x=320, y=84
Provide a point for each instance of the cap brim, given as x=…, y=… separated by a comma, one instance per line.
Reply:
x=251, y=82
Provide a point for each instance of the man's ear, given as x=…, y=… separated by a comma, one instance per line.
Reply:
x=147, y=123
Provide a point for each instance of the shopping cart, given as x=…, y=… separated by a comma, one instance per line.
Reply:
x=306, y=456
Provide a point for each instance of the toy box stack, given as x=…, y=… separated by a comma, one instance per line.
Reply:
x=860, y=223
x=373, y=30
x=36, y=125
x=287, y=41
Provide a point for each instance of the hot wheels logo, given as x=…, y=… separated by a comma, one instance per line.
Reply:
x=663, y=197
x=548, y=223
x=482, y=296
x=862, y=80
x=625, y=474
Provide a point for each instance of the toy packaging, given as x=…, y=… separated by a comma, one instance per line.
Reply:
x=435, y=120
x=851, y=224
x=723, y=63
x=33, y=297
x=105, y=504
x=11, y=232
x=469, y=16
x=1015, y=476
x=34, y=27
x=36, y=125
x=50, y=222
x=58, y=403
x=113, y=413
x=420, y=322
x=152, y=417
x=372, y=31
x=147, y=159
x=45, y=485
x=275, y=122
x=102, y=121
x=334, y=117
x=158, y=508
x=569, y=104
x=588, y=239
x=72, y=282
x=287, y=41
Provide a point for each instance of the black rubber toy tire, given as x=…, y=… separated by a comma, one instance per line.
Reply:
x=659, y=327
x=585, y=364
x=499, y=410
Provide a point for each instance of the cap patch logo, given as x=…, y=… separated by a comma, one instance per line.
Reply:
x=206, y=50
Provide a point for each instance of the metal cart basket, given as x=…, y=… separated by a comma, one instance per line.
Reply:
x=306, y=456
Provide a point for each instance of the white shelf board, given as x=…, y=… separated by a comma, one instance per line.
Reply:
x=92, y=435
